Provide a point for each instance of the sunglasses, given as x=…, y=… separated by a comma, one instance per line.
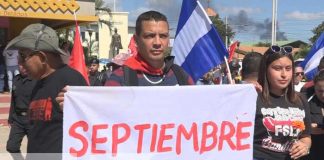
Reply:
x=284, y=49
x=24, y=56
x=299, y=73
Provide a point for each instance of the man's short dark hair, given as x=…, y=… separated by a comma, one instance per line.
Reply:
x=149, y=16
x=93, y=61
x=250, y=64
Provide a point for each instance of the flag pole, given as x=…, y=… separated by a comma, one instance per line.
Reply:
x=77, y=58
x=229, y=74
x=76, y=22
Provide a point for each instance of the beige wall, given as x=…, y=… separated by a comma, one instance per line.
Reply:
x=119, y=21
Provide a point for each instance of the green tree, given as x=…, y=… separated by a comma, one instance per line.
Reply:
x=221, y=28
x=317, y=32
x=99, y=3
x=303, y=51
x=263, y=44
x=102, y=8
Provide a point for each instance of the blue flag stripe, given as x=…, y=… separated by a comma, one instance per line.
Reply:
x=203, y=55
x=186, y=11
x=311, y=74
x=197, y=46
x=313, y=58
x=189, y=35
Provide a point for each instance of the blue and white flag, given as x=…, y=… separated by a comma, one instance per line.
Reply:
x=197, y=47
x=313, y=58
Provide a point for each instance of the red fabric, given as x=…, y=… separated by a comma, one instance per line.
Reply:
x=137, y=63
x=77, y=60
x=232, y=50
x=308, y=84
x=132, y=46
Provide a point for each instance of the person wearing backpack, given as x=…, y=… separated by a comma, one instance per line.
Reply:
x=150, y=67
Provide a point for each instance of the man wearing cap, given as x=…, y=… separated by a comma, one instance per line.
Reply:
x=96, y=78
x=40, y=54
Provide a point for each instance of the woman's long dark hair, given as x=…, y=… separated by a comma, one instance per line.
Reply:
x=290, y=93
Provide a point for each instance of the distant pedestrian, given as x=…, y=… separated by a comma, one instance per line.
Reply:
x=308, y=87
x=11, y=59
x=66, y=48
x=250, y=67
x=316, y=104
x=18, y=120
x=96, y=77
x=2, y=69
x=299, y=76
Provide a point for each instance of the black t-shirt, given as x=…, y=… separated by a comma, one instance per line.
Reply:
x=277, y=126
x=97, y=79
x=316, y=110
x=20, y=98
x=46, y=134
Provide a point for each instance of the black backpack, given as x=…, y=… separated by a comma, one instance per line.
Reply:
x=130, y=76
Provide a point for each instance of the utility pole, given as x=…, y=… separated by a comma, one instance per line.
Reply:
x=274, y=22
x=114, y=5
x=226, y=36
x=275, y=29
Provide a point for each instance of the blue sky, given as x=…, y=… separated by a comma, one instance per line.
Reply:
x=250, y=19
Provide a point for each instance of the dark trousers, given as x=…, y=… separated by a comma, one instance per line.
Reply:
x=16, y=135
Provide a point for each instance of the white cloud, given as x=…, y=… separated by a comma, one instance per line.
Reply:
x=305, y=16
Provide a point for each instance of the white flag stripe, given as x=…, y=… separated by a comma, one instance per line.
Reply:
x=194, y=31
x=314, y=61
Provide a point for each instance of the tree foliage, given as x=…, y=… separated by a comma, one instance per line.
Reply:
x=263, y=44
x=317, y=32
x=221, y=28
x=303, y=51
x=102, y=8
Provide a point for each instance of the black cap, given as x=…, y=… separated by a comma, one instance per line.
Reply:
x=94, y=61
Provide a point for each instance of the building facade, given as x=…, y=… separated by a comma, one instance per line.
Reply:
x=16, y=15
x=118, y=20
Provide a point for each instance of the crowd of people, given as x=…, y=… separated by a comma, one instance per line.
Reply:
x=288, y=124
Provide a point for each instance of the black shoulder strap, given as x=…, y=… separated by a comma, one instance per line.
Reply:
x=130, y=76
x=180, y=75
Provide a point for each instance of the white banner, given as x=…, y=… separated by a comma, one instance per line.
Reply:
x=159, y=123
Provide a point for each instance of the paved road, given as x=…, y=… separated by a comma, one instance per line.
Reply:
x=4, y=128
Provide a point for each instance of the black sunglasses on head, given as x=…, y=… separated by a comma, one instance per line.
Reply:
x=285, y=49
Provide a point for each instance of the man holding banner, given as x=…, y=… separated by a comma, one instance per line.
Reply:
x=40, y=54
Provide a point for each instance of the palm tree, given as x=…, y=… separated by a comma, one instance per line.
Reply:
x=102, y=8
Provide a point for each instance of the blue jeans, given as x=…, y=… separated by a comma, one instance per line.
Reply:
x=11, y=72
x=2, y=75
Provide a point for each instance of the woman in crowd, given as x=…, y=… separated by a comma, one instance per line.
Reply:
x=282, y=122
x=316, y=104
